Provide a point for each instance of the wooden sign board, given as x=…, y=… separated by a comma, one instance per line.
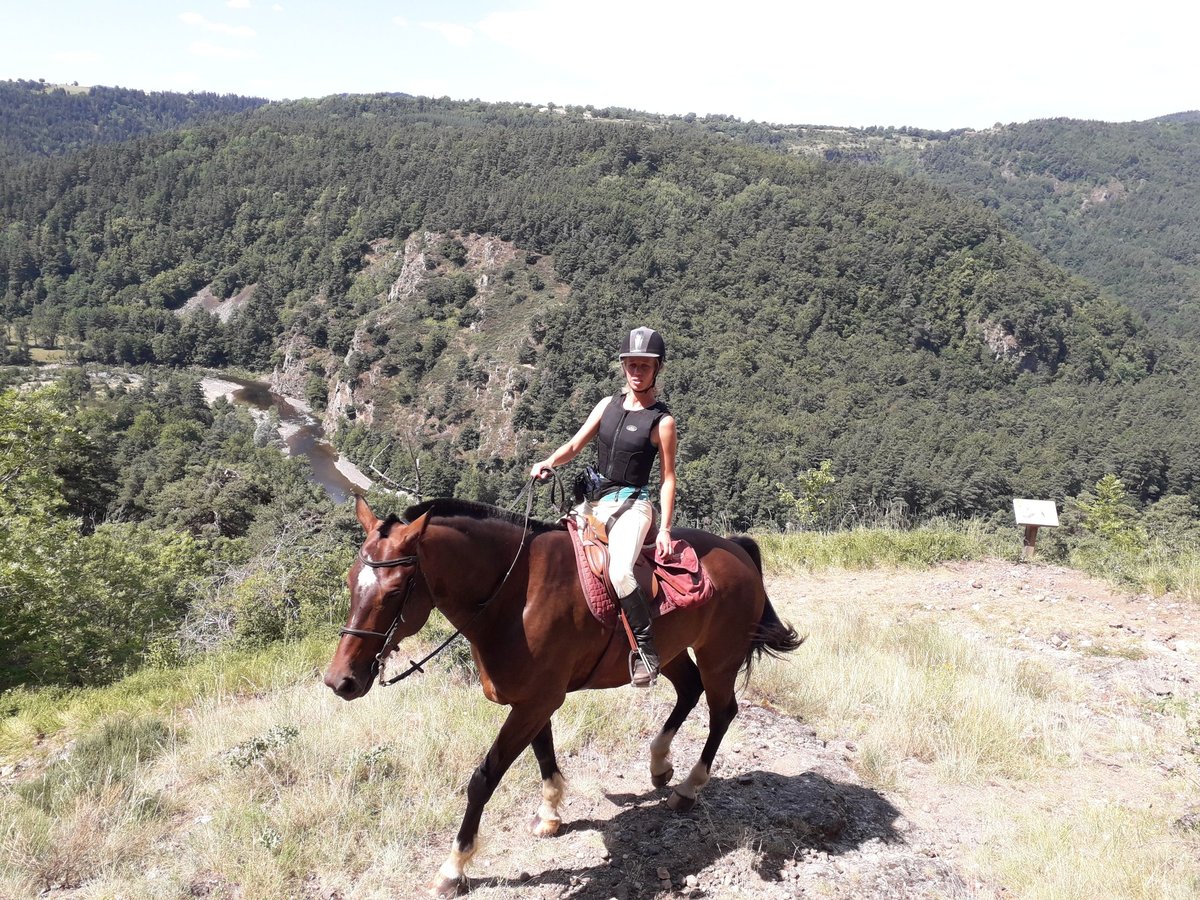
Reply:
x=1035, y=512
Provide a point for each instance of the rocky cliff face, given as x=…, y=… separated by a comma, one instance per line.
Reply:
x=445, y=343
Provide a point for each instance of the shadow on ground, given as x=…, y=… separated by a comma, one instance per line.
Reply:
x=776, y=817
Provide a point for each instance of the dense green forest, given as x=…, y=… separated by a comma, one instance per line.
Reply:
x=137, y=523
x=816, y=310
x=1113, y=202
x=447, y=282
x=1118, y=204
x=52, y=120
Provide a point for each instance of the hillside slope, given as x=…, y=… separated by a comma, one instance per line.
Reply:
x=1115, y=203
x=39, y=119
x=814, y=310
x=818, y=788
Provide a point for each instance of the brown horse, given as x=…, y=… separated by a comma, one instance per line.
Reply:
x=512, y=590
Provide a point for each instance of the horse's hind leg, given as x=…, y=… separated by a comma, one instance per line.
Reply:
x=684, y=675
x=722, y=707
x=547, y=819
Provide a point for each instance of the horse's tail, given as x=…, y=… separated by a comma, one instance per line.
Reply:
x=772, y=636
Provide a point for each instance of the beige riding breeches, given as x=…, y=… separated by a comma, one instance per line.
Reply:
x=625, y=539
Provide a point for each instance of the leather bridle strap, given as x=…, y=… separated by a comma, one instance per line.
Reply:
x=377, y=663
x=377, y=666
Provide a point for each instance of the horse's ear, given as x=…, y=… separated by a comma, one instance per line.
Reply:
x=366, y=518
x=414, y=530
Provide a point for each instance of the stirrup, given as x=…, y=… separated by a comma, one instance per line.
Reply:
x=634, y=657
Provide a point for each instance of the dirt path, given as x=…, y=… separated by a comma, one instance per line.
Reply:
x=786, y=813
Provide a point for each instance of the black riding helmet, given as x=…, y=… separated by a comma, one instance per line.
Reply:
x=644, y=342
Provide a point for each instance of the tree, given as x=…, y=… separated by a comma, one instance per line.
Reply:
x=1110, y=516
x=809, y=508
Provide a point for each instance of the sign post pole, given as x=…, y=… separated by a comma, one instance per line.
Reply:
x=1034, y=514
x=1029, y=549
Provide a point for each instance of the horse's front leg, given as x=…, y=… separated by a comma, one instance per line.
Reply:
x=548, y=818
x=524, y=722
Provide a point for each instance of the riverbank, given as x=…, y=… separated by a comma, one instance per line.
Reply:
x=300, y=431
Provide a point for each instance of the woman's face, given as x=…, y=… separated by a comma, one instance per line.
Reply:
x=639, y=372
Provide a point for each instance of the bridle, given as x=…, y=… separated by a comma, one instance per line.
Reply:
x=396, y=562
x=377, y=663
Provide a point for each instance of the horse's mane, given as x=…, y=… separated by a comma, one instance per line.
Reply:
x=447, y=507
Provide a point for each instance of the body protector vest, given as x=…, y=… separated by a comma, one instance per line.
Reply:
x=625, y=451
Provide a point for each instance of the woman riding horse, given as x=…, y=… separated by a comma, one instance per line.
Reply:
x=631, y=429
x=512, y=589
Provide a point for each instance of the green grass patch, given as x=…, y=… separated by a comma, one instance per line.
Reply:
x=1118, y=651
x=867, y=548
x=1159, y=568
x=32, y=714
x=97, y=762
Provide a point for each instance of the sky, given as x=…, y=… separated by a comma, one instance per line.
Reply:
x=927, y=63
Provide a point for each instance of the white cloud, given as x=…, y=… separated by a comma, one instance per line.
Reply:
x=400, y=20
x=214, y=51
x=277, y=7
x=873, y=62
x=195, y=20
x=458, y=35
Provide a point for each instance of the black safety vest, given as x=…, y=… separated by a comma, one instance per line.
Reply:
x=623, y=443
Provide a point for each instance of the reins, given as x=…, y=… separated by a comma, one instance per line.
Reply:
x=414, y=561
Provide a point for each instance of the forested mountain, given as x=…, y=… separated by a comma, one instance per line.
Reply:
x=814, y=309
x=1116, y=203
x=137, y=523
x=51, y=120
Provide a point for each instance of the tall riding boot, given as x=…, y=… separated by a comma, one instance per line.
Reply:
x=644, y=668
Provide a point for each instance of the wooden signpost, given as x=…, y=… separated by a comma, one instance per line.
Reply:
x=1034, y=514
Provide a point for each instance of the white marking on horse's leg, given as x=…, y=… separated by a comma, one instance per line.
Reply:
x=548, y=816
x=660, y=753
x=453, y=868
x=697, y=779
x=366, y=579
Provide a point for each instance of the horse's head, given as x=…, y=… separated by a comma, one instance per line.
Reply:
x=387, y=603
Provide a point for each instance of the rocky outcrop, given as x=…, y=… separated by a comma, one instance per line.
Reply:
x=1005, y=346
x=206, y=300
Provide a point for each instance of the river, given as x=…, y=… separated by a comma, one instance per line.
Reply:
x=300, y=431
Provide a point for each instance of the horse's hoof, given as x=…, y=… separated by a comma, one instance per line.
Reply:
x=545, y=827
x=680, y=803
x=444, y=888
x=661, y=781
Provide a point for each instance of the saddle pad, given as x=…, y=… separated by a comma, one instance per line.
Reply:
x=681, y=579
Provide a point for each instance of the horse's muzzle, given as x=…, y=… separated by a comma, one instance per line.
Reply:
x=346, y=686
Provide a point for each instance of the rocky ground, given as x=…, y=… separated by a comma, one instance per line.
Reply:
x=787, y=814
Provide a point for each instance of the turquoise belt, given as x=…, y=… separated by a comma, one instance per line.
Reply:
x=626, y=493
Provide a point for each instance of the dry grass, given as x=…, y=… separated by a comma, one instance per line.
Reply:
x=1087, y=809
x=248, y=778
x=273, y=795
x=909, y=690
x=1094, y=848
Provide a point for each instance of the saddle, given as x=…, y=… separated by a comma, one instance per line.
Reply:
x=672, y=581
x=594, y=539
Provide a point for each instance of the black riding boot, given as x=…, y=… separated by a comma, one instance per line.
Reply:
x=645, y=661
